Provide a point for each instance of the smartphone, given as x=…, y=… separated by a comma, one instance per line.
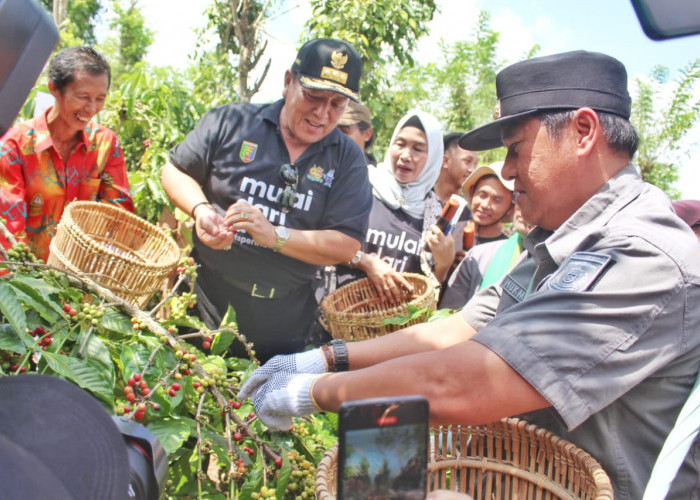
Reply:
x=383, y=449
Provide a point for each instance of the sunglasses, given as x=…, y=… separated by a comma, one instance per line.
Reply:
x=290, y=176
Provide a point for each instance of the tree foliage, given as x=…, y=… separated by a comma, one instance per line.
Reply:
x=385, y=32
x=238, y=26
x=663, y=124
x=134, y=37
x=76, y=20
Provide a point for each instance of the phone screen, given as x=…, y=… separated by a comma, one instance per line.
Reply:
x=383, y=449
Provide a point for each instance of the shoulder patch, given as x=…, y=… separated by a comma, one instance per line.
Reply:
x=579, y=271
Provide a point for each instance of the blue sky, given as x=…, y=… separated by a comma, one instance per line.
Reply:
x=608, y=26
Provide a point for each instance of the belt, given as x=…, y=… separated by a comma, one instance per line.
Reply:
x=259, y=290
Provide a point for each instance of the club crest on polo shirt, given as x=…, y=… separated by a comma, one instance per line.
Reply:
x=248, y=150
x=579, y=272
x=316, y=174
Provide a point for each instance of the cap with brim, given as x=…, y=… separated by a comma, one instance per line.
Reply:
x=355, y=113
x=688, y=210
x=482, y=171
x=61, y=429
x=570, y=80
x=329, y=64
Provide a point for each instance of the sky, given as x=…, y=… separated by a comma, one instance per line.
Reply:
x=608, y=26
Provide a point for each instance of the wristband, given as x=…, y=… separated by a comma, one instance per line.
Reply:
x=340, y=355
x=195, y=207
x=329, y=359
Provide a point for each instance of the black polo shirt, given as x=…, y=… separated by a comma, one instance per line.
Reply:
x=236, y=151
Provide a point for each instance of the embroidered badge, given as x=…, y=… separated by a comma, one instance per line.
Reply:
x=315, y=174
x=338, y=59
x=248, y=150
x=579, y=272
x=328, y=178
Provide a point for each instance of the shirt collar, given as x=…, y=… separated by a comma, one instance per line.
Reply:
x=591, y=217
x=43, y=138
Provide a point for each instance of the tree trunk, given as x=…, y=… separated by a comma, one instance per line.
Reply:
x=60, y=8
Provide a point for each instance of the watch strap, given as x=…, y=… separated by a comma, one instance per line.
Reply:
x=340, y=355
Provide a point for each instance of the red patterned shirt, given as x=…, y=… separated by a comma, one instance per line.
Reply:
x=35, y=184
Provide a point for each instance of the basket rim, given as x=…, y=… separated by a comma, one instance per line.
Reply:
x=391, y=310
x=116, y=209
x=326, y=468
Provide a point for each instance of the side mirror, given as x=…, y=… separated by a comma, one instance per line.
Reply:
x=27, y=37
x=662, y=19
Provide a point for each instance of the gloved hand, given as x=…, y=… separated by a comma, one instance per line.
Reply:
x=304, y=362
x=283, y=396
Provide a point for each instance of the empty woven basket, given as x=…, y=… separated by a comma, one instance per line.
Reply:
x=117, y=249
x=505, y=460
x=355, y=311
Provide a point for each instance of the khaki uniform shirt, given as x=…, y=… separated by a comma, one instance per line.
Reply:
x=602, y=317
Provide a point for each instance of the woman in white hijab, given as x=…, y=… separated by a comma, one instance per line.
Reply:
x=402, y=236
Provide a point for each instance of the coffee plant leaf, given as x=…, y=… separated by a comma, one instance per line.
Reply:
x=285, y=473
x=9, y=341
x=87, y=375
x=38, y=295
x=254, y=480
x=229, y=318
x=221, y=342
x=171, y=432
x=11, y=309
x=97, y=351
x=116, y=322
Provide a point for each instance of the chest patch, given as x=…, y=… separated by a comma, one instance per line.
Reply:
x=579, y=272
x=248, y=150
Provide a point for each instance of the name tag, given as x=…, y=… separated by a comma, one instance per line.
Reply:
x=579, y=272
x=514, y=289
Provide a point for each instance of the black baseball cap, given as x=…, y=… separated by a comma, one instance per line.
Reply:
x=58, y=442
x=329, y=64
x=570, y=80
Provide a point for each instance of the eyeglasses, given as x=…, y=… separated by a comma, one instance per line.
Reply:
x=288, y=197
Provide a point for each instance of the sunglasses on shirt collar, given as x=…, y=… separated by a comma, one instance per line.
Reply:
x=290, y=176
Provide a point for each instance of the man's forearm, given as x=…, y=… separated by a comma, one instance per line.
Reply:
x=423, y=337
x=320, y=247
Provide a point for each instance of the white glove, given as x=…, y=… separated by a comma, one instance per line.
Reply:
x=283, y=396
x=311, y=361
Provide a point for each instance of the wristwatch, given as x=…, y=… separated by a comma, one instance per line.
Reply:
x=282, y=237
x=356, y=259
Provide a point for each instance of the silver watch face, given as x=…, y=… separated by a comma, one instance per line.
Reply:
x=282, y=232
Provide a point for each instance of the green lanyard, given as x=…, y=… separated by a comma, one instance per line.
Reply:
x=502, y=260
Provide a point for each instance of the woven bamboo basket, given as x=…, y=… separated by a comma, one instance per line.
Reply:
x=355, y=311
x=505, y=460
x=115, y=248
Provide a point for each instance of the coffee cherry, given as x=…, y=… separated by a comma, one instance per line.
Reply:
x=237, y=436
x=236, y=404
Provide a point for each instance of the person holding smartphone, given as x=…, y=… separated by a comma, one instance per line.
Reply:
x=593, y=335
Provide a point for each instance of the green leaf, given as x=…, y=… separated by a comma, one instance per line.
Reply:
x=9, y=340
x=32, y=299
x=42, y=293
x=11, y=309
x=253, y=482
x=89, y=376
x=229, y=317
x=283, y=476
x=117, y=322
x=172, y=433
x=97, y=352
x=222, y=341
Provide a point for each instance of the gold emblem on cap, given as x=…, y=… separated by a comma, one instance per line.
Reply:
x=334, y=74
x=497, y=110
x=338, y=59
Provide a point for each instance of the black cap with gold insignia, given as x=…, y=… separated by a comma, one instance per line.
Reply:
x=329, y=64
x=564, y=81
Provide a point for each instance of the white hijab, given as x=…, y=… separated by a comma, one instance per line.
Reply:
x=410, y=197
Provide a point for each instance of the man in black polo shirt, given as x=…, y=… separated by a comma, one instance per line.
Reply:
x=275, y=191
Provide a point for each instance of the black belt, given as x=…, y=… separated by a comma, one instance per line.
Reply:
x=260, y=291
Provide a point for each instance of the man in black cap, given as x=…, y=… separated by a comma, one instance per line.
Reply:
x=592, y=335
x=275, y=191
